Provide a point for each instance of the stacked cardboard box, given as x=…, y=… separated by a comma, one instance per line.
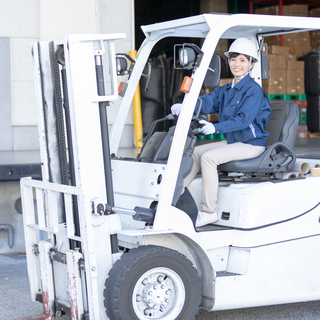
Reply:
x=286, y=74
x=314, y=39
x=314, y=35
x=274, y=10
x=278, y=81
x=287, y=10
x=295, y=10
x=298, y=43
x=295, y=77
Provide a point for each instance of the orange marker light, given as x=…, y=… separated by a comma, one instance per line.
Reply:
x=186, y=84
x=122, y=89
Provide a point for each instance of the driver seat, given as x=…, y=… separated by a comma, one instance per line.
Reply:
x=279, y=156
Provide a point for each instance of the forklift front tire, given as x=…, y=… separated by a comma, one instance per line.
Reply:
x=152, y=282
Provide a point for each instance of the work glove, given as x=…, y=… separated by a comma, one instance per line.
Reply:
x=207, y=127
x=176, y=108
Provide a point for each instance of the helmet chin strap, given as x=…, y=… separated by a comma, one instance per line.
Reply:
x=241, y=77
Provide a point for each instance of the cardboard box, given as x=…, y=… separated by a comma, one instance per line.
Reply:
x=206, y=90
x=298, y=39
x=298, y=51
x=225, y=81
x=282, y=57
x=295, y=77
x=277, y=77
x=279, y=50
x=274, y=82
x=314, y=12
x=295, y=90
x=289, y=40
x=287, y=10
x=273, y=57
x=295, y=40
x=277, y=57
x=268, y=10
x=315, y=43
x=272, y=40
x=272, y=89
x=213, y=117
x=314, y=35
x=295, y=65
x=277, y=65
x=301, y=50
x=304, y=41
x=292, y=50
x=305, y=34
x=295, y=10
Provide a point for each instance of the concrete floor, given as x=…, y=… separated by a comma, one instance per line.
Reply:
x=15, y=301
x=308, y=146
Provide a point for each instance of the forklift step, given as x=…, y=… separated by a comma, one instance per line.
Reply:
x=221, y=274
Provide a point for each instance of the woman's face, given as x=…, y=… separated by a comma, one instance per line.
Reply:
x=239, y=65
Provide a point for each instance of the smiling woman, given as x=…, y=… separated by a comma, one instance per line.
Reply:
x=244, y=111
x=240, y=66
x=242, y=55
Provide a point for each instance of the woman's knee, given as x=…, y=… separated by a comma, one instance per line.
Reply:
x=208, y=159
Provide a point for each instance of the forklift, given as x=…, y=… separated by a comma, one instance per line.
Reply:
x=112, y=237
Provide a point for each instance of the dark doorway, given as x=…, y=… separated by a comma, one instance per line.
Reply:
x=148, y=12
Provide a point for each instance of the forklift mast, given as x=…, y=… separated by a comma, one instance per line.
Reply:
x=72, y=98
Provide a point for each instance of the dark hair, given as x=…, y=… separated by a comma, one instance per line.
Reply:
x=235, y=54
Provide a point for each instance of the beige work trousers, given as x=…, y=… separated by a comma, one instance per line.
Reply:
x=208, y=157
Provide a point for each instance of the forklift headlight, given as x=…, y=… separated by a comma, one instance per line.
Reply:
x=187, y=56
x=122, y=65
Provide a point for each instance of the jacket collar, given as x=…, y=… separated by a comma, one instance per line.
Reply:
x=241, y=83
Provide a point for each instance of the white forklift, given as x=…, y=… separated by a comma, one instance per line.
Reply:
x=111, y=237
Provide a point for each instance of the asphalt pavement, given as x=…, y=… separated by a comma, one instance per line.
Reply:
x=15, y=300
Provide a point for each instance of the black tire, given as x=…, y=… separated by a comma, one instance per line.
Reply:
x=163, y=283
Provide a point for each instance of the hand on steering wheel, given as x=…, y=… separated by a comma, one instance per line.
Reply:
x=207, y=127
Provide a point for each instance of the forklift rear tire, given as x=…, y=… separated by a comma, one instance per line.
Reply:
x=151, y=282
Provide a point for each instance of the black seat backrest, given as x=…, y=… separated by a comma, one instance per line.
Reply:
x=283, y=123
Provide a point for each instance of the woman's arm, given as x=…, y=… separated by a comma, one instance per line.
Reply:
x=247, y=113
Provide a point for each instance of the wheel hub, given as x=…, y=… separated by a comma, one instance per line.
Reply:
x=157, y=294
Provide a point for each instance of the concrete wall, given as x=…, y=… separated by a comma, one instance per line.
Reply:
x=23, y=22
x=19, y=25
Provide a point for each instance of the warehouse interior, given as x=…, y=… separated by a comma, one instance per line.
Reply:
x=293, y=59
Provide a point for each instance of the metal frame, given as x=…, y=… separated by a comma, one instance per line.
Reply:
x=45, y=219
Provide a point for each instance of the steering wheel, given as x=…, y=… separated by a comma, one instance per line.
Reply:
x=195, y=126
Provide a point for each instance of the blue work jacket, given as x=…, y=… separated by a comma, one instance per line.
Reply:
x=244, y=111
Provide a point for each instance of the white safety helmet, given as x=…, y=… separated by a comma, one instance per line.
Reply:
x=243, y=46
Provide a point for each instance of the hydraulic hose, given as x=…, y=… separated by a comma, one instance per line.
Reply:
x=104, y=133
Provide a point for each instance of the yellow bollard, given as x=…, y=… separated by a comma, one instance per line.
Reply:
x=137, y=117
